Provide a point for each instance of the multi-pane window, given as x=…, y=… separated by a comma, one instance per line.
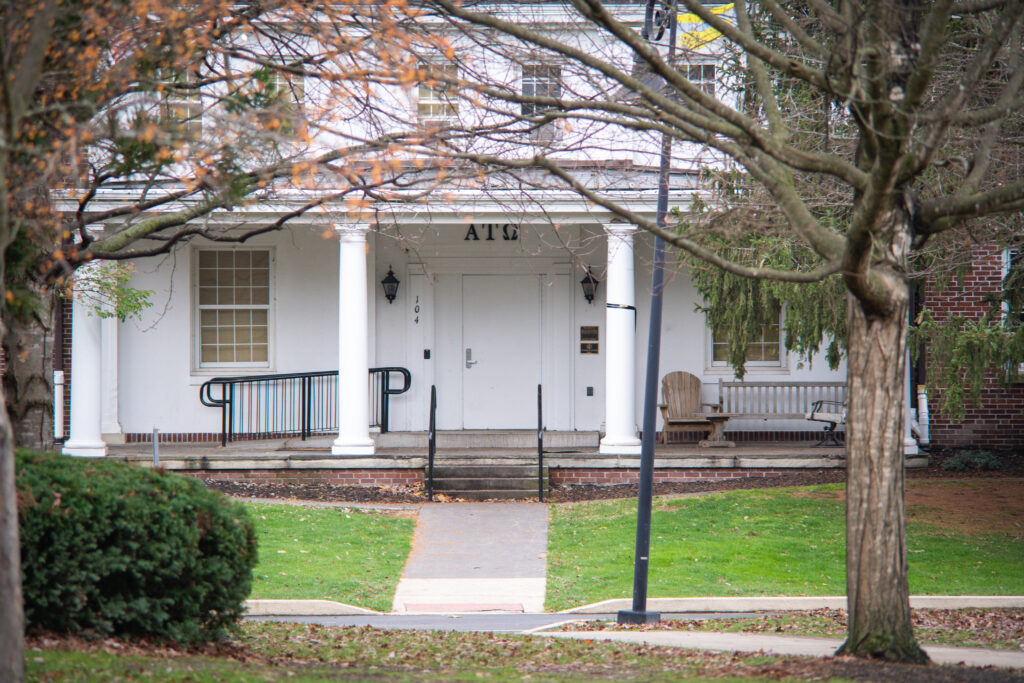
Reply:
x=764, y=349
x=286, y=86
x=702, y=76
x=234, y=306
x=437, y=98
x=181, y=105
x=541, y=80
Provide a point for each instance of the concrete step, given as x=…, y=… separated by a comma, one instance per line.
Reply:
x=494, y=494
x=484, y=484
x=489, y=438
x=464, y=471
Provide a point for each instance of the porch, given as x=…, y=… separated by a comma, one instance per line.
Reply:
x=401, y=458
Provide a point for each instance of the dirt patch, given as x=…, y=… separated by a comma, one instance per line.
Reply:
x=818, y=494
x=967, y=506
x=970, y=507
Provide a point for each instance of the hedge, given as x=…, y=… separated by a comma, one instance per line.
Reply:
x=112, y=549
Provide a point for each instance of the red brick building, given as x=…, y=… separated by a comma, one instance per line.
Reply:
x=998, y=421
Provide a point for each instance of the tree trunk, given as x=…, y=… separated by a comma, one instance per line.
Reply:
x=12, y=618
x=28, y=381
x=878, y=597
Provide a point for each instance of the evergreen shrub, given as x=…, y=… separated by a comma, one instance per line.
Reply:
x=972, y=460
x=112, y=549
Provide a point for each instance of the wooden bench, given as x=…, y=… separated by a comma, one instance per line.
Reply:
x=832, y=413
x=786, y=401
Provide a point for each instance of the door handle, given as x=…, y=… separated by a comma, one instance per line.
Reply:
x=469, y=358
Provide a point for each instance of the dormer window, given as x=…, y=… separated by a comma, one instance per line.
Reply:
x=541, y=80
x=438, y=98
x=701, y=75
x=181, y=105
x=285, y=86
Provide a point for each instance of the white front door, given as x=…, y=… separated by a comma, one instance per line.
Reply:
x=501, y=361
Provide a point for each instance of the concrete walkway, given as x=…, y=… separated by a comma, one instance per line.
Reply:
x=476, y=557
x=787, y=645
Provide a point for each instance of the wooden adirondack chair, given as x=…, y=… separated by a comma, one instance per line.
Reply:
x=683, y=409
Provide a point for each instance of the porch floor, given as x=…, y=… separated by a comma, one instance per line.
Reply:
x=315, y=453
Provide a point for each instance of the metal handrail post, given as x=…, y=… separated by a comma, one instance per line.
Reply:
x=540, y=444
x=431, y=442
x=231, y=411
x=303, y=407
x=223, y=416
x=385, y=401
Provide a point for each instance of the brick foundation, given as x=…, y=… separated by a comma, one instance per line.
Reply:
x=337, y=477
x=558, y=476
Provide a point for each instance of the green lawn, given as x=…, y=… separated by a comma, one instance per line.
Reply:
x=329, y=553
x=764, y=542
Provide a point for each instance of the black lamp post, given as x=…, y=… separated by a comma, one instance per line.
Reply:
x=589, y=284
x=390, y=284
x=639, y=614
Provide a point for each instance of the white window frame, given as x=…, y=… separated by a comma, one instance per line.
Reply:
x=549, y=132
x=173, y=102
x=195, y=313
x=291, y=88
x=708, y=85
x=440, y=95
x=756, y=365
x=1008, y=257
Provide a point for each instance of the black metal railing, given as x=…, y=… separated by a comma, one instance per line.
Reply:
x=303, y=403
x=540, y=444
x=431, y=442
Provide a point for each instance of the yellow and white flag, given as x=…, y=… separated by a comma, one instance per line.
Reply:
x=695, y=33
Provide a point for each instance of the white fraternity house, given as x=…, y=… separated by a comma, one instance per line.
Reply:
x=330, y=333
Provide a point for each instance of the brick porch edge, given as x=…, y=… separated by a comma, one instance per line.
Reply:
x=406, y=477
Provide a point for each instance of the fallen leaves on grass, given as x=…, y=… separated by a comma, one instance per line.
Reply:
x=997, y=628
x=361, y=653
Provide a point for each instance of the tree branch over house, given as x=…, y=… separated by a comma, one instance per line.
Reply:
x=832, y=126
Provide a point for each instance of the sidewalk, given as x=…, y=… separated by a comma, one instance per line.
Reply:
x=476, y=557
x=786, y=645
x=487, y=561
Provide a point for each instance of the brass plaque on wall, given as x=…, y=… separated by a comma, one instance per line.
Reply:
x=589, y=339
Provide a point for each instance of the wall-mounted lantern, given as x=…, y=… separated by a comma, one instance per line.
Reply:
x=589, y=284
x=390, y=284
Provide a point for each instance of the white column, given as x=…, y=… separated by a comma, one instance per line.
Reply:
x=110, y=427
x=353, y=347
x=86, y=383
x=909, y=442
x=620, y=348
